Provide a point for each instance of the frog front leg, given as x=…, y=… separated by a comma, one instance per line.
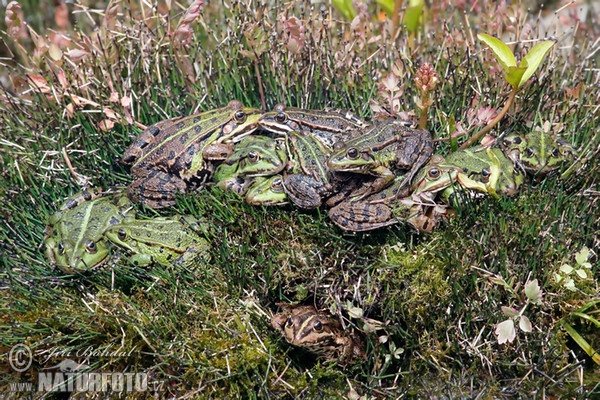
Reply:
x=383, y=178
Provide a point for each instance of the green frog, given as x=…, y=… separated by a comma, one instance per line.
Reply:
x=419, y=210
x=327, y=126
x=478, y=164
x=537, y=153
x=253, y=156
x=179, y=154
x=389, y=145
x=74, y=237
x=266, y=191
x=167, y=241
x=319, y=333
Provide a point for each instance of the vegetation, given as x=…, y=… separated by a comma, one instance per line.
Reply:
x=77, y=89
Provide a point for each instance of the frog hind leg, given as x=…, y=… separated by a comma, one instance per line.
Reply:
x=357, y=216
x=157, y=190
x=304, y=190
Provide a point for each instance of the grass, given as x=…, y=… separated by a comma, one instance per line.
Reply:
x=428, y=304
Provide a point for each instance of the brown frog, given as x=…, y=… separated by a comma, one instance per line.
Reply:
x=318, y=332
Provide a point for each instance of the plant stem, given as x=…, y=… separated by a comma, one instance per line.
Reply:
x=260, y=83
x=396, y=15
x=492, y=123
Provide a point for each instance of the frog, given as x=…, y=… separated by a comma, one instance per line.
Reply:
x=267, y=191
x=307, y=182
x=173, y=240
x=74, y=236
x=254, y=156
x=419, y=210
x=389, y=145
x=180, y=154
x=478, y=165
x=537, y=153
x=318, y=332
x=327, y=126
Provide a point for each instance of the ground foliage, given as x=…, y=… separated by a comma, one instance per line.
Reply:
x=79, y=90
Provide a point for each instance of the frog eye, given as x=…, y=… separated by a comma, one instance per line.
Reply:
x=318, y=326
x=485, y=175
x=516, y=140
x=281, y=117
x=352, y=153
x=91, y=247
x=239, y=116
x=555, y=152
x=122, y=234
x=61, y=248
x=276, y=185
x=529, y=152
x=289, y=323
x=253, y=156
x=433, y=173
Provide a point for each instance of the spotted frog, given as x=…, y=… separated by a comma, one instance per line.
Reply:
x=488, y=170
x=537, y=153
x=318, y=332
x=419, y=209
x=74, y=237
x=253, y=156
x=167, y=241
x=266, y=191
x=326, y=126
x=388, y=146
x=179, y=154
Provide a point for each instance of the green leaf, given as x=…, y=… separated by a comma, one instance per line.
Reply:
x=525, y=324
x=582, y=255
x=503, y=53
x=566, y=268
x=412, y=16
x=581, y=272
x=345, y=7
x=514, y=75
x=570, y=284
x=387, y=6
x=533, y=59
x=533, y=292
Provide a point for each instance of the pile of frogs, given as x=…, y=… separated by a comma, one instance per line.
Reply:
x=369, y=175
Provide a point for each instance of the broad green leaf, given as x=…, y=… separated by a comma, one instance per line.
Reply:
x=505, y=331
x=412, y=16
x=387, y=6
x=570, y=284
x=525, y=324
x=354, y=312
x=582, y=255
x=514, y=76
x=509, y=311
x=533, y=292
x=534, y=58
x=503, y=53
x=581, y=272
x=566, y=268
x=345, y=7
